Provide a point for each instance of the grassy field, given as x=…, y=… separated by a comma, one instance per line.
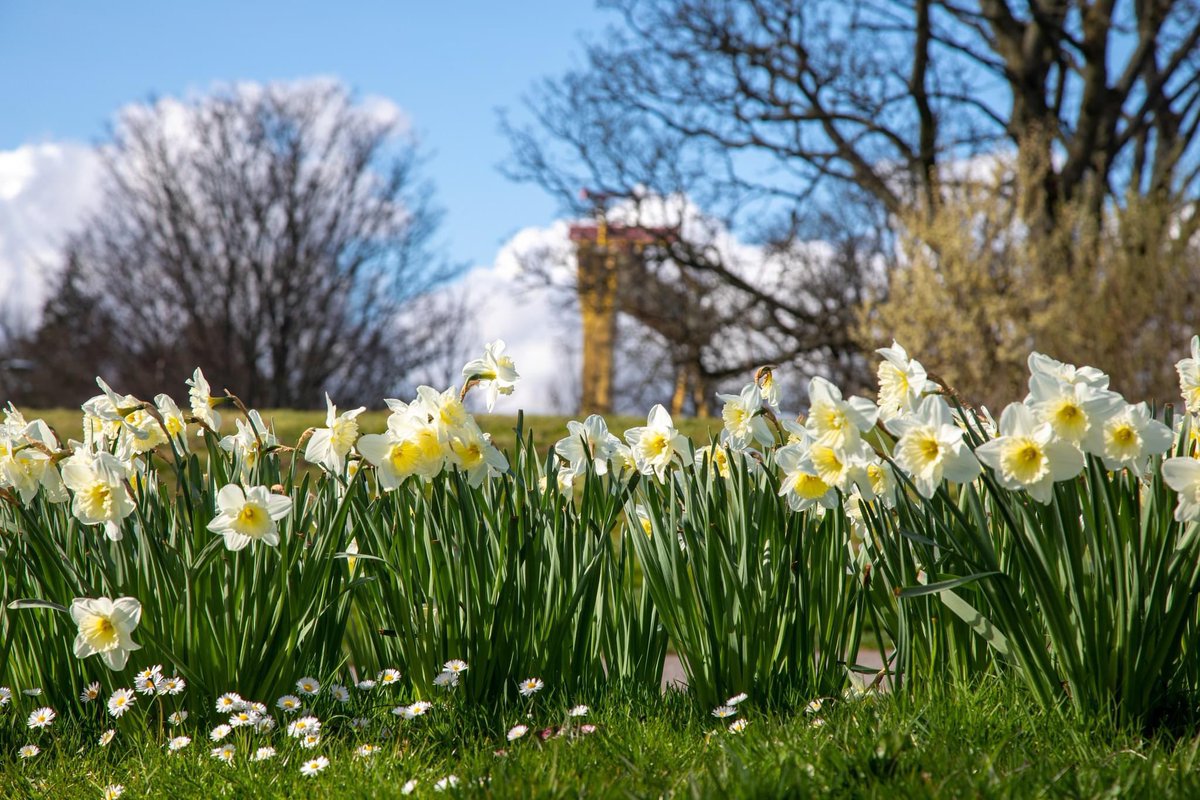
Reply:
x=290, y=424
x=985, y=742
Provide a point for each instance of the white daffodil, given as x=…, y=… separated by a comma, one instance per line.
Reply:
x=330, y=445
x=106, y=627
x=253, y=438
x=902, y=382
x=1040, y=364
x=744, y=422
x=834, y=420
x=1028, y=456
x=410, y=447
x=588, y=442
x=801, y=484
x=173, y=419
x=97, y=481
x=658, y=444
x=1189, y=377
x=495, y=372
x=1071, y=409
x=472, y=451
x=444, y=410
x=26, y=469
x=843, y=467
x=717, y=457
x=202, y=402
x=249, y=515
x=931, y=447
x=1128, y=438
x=883, y=482
x=769, y=386
x=1183, y=475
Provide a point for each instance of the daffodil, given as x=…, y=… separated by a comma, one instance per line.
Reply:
x=471, y=450
x=253, y=438
x=842, y=467
x=495, y=372
x=444, y=410
x=902, y=382
x=330, y=445
x=97, y=481
x=106, y=627
x=1028, y=455
x=1189, y=377
x=173, y=421
x=658, y=444
x=1183, y=475
x=1071, y=409
x=1040, y=364
x=249, y=515
x=836, y=421
x=1128, y=438
x=202, y=402
x=588, y=442
x=410, y=447
x=742, y=415
x=801, y=484
x=931, y=447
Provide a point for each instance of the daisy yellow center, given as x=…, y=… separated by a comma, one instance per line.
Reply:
x=1023, y=460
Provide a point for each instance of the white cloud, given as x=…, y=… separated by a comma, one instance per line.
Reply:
x=45, y=190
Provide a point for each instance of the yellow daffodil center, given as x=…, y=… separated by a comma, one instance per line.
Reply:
x=1068, y=420
x=96, y=500
x=343, y=435
x=101, y=634
x=470, y=453
x=920, y=451
x=655, y=444
x=1124, y=441
x=809, y=487
x=253, y=520
x=829, y=467
x=1023, y=459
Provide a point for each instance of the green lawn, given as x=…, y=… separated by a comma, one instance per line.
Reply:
x=289, y=424
x=990, y=741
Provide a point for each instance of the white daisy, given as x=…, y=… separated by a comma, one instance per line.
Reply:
x=530, y=686
x=29, y=751
x=314, y=766
x=224, y=753
x=42, y=717
x=308, y=686
x=263, y=754
x=289, y=703
x=178, y=743
x=220, y=732
x=516, y=732
x=107, y=737
x=89, y=693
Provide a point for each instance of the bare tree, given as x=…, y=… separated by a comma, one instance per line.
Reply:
x=277, y=236
x=853, y=121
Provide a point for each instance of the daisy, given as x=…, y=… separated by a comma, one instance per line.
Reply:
x=455, y=665
x=242, y=718
x=113, y=791
x=29, y=751
x=721, y=712
x=308, y=686
x=178, y=743
x=737, y=698
x=586, y=729
x=289, y=703
x=419, y=708
x=366, y=685
x=738, y=725
x=90, y=692
x=360, y=723
x=446, y=680
x=389, y=676
x=366, y=750
x=224, y=753
x=257, y=708
x=144, y=685
x=107, y=737
x=314, y=766
x=408, y=786
x=516, y=732
x=177, y=718
x=230, y=702
x=35, y=692
x=220, y=732
x=172, y=685
x=5, y=696
x=42, y=717
x=303, y=727
x=310, y=741
x=263, y=754
x=340, y=693
x=578, y=711
x=265, y=724
x=530, y=686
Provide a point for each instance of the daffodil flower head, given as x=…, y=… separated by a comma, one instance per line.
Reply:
x=1071, y=409
x=329, y=446
x=1040, y=364
x=1128, y=438
x=495, y=372
x=106, y=627
x=202, y=403
x=1183, y=475
x=801, y=484
x=249, y=515
x=902, y=382
x=658, y=444
x=930, y=447
x=1189, y=377
x=1027, y=455
x=588, y=442
x=97, y=481
x=834, y=420
x=742, y=415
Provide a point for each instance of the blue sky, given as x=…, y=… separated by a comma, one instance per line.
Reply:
x=65, y=68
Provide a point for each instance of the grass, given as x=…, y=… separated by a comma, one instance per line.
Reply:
x=290, y=424
x=990, y=741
